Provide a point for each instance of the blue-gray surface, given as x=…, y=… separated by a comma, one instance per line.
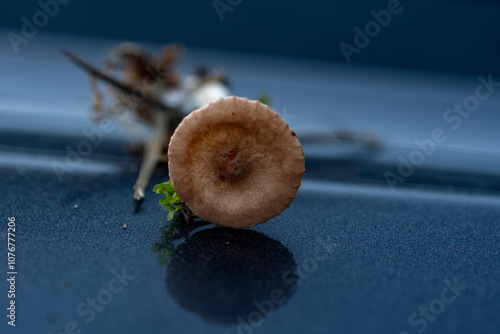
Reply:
x=458, y=35
x=349, y=256
x=367, y=260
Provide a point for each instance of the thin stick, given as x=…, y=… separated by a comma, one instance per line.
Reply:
x=123, y=87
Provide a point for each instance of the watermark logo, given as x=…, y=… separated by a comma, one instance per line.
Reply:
x=88, y=308
x=372, y=29
x=84, y=148
x=285, y=115
x=12, y=270
x=265, y=308
x=454, y=117
x=29, y=29
x=225, y=6
x=429, y=313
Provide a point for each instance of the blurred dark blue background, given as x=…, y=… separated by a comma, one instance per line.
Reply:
x=445, y=35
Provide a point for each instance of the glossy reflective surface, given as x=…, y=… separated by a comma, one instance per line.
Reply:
x=350, y=255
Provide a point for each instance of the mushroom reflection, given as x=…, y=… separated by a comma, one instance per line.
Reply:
x=222, y=274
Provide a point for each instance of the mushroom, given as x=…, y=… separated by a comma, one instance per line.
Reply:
x=235, y=162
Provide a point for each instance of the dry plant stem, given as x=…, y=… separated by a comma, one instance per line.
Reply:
x=162, y=118
x=96, y=94
x=187, y=214
x=152, y=152
x=151, y=101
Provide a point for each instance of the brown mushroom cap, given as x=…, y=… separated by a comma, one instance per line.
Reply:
x=235, y=162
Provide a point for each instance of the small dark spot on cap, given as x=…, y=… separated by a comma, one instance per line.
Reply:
x=293, y=133
x=233, y=113
x=231, y=155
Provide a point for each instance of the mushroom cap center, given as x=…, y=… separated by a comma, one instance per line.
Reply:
x=231, y=164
